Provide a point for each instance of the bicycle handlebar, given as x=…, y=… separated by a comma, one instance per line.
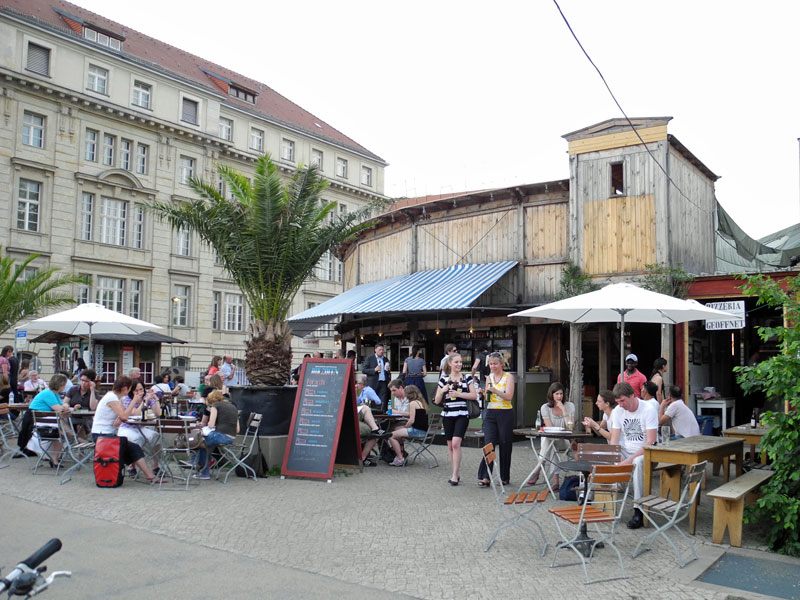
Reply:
x=30, y=563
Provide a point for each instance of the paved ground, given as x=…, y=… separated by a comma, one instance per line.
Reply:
x=399, y=532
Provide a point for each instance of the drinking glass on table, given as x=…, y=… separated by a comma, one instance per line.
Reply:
x=666, y=432
x=569, y=422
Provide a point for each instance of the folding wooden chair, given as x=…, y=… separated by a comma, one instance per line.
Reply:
x=8, y=438
x=515, y=508
x=234, y=455
x=602, y=478
x=417, y=447
x=600, y=454
x=671, y=513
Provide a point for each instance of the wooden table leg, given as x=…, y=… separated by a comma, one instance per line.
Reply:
x=726, y=465
x=693, y=509
x=648, y=484
x=739, y=461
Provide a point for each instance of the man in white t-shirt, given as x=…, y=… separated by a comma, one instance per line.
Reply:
x=674, y=409
x=633, y=426
x=649, y=392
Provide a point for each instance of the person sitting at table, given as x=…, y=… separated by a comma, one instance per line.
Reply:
x=5, y=395
x=83, y=395
x=634, y=425
x=555, y=413
x=24, y=372
x=649, y=391
x=367, y=395
x=48, y=400
x=606, y=404
x=34, y=383
x=110, y=412
x=455, y=388
x=398, y=401
x=415, y=371
x=164, y=385
x=223, y=421
x=367, y=427
x=181, y=389
x=673, y=409
x=416, y=427
x=498, y=424
x=138, y=434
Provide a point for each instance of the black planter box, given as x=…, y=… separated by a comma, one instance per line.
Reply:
x=275, y=403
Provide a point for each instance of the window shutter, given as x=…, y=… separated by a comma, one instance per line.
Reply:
x=189, y=112
x=38, y=59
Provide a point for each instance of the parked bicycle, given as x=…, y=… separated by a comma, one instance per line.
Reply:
x=26, y=579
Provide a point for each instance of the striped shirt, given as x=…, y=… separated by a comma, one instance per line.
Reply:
x=458, y=406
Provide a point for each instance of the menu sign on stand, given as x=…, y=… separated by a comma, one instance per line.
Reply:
x=324, y=429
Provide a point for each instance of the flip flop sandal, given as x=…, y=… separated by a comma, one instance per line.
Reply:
x=483, y=483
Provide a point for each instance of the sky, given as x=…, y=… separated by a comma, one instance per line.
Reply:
x=469, y=95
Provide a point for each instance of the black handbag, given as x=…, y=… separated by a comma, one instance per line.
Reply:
x=474, y=409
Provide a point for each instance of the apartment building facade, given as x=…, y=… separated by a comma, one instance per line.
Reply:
x=98, y=121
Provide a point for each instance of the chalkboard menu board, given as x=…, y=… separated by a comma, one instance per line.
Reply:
x=324, y=429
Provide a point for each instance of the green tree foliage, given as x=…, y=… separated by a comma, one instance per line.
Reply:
x=779, y=379
x=269, y=237
x=24, y=296
x=574, y=281
x=671, y=281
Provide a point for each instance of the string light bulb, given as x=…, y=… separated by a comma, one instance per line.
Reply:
x=380, y=334
x=437, y=331
x=361, y=336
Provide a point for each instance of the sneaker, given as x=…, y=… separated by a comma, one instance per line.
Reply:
x=131, y=472
x=201, y=476
x=380, y=434
x=637, y=521
x=397, y=462
x=368, y=462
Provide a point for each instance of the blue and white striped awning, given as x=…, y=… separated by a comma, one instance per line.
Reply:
x=443, y=289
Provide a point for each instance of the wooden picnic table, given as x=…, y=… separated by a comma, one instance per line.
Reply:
x=690, y=451
x=750, y=436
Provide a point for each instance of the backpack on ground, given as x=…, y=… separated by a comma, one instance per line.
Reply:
x=109, y=469
x=255, y=461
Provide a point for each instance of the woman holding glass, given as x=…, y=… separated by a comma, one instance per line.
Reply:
x=555, y=413
x=498, y=426
x=605, y=403
x=455, y=388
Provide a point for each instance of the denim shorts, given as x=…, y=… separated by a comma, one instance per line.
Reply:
x=413, y=432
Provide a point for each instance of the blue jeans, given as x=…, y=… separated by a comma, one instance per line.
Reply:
x=213, y=440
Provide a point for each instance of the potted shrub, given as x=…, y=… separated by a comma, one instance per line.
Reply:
x=269, y=234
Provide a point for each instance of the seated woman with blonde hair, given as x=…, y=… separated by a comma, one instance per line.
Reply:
x=223, y=421
x=416, y=427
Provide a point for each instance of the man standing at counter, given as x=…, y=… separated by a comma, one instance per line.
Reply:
x=378, y=372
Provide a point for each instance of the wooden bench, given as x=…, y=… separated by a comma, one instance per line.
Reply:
x=669, y=479
x=729, y=501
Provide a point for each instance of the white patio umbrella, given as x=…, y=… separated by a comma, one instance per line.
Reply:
x=620, y=302
x=88, y=319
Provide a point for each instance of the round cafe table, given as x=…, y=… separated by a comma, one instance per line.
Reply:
x=533, y=434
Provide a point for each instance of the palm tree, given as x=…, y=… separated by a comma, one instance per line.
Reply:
x=24, y=294
x=269, y=237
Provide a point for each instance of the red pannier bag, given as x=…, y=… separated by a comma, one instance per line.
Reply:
x=109, y=469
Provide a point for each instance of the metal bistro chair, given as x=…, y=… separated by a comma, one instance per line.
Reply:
x=417, y=447
x=234, y=455
x=601, y=478
x=671, y=513
x=172, y=460
x=515, y=508
x=46, y=430
x=8, y=438
x=73, y=449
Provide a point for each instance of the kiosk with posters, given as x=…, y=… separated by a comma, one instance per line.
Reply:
x=324, y=429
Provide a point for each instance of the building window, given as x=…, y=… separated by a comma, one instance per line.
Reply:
x=29, y=272
x=85, y=290
x=33, y=130
x=141, y=158
x=287, y=150
x=215, y=313
x=189, y=111
x=38, y=59
x=147, y=369
x=98, y=79
x=256, y=139
x=226, y=129
x=316, y=158
x=180, y=306
x=125, y=147
x=366, y=176
x=110, y=291
x=135, y=299
x=185, y=169
x=341, y=167
x=109, y=375
x=87, y=206
x=90, y=148
x=183, y=242
x=181, y=362
x=237, y=92
x=617, y=179
x=112, y=221
x=109, y=142
x=28, y=205
x=234, y=312
x=142, y=94
x=102, y=38
x=138, y=227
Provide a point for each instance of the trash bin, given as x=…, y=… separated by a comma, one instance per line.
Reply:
x=706, y=424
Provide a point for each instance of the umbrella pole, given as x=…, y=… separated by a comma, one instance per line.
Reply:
x=622, y=345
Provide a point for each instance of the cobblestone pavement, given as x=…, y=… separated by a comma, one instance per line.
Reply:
x=401, y=530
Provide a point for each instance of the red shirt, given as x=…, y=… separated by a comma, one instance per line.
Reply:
x=637, y=380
